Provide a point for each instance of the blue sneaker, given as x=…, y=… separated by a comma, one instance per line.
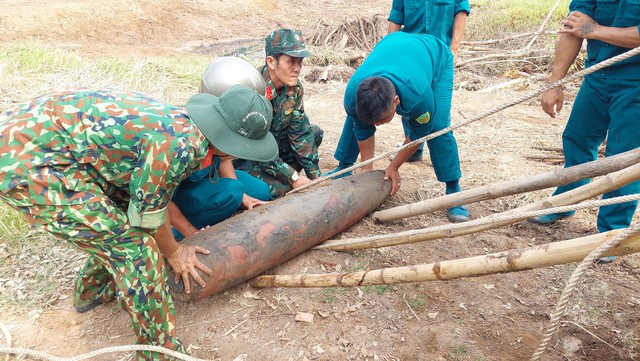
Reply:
x=605, y=260
x=550, y=218
x=458, y=214
x=340, y=167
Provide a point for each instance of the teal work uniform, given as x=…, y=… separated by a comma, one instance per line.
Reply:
x=608, y=102
x=424, y=84
x=204, y=198
x=433, y=17
x=97, y=168
x=298, y=140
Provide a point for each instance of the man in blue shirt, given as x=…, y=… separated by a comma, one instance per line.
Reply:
x=444, y=19
x=418, y=87
x=608, y=101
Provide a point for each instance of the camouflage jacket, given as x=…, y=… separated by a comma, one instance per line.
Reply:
x=84, y=145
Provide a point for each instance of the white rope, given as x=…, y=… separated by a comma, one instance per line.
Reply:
x=45, y=356
x=580, y=74
x=480, y=221
x=573, y=281
x=7, y=336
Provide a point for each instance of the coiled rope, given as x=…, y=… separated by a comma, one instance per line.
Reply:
x=580, y=74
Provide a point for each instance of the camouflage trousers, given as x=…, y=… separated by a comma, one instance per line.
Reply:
x=124, y=263
x=279, y=186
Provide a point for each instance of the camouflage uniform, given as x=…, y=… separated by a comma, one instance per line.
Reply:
x=298, y=140
x=98, y=168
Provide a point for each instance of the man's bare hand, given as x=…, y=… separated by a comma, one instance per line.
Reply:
x=552, y=101
x=184, y=263
x=580, y=25
x=302, y=180
x=249, y=202
x=392, y=173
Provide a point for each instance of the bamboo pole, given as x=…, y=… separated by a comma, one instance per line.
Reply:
x=605, y=184
x=514, y=260
x=555, y=178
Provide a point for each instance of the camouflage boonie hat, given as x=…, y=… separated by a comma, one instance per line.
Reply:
x=286, y=41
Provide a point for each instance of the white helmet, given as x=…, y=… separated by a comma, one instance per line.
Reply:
x=227, y=71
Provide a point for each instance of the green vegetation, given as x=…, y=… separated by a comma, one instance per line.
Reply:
x=417, y=301
x=331, y=294
x=28, y=70
x=380, y=289
x=495, y=19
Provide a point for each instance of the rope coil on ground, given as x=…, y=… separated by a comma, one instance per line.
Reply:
x=481, y=221
x=580, y=74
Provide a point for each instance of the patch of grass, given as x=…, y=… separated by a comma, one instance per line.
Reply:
x=456, y=353
x=358, y=266
x=417, y=302
x=379, y=289
x=172, y=79
x=331, y=294
x=492, y=19
x=630, y=342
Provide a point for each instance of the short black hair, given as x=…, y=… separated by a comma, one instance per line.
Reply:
x=374, y=98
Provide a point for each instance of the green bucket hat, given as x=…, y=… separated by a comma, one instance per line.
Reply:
x=237, y=122
x=286, y=41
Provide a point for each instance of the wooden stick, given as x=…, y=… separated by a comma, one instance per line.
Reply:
x=541, y=181
x=550, y=149
x=235, y=327
x=541, y=28
x=545, y=156
x=608, y=183
x=501, y=85
x=514, y=260
x=493, y=41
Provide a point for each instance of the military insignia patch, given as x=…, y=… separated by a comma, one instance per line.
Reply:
x=424, y=118
x=269, y=93
x=288, y=111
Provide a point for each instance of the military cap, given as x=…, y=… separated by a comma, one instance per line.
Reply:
x=286, y=41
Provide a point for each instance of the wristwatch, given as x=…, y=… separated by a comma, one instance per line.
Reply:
x=294, y=177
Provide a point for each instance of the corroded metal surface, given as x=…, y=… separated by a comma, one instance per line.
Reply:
x=252, y=242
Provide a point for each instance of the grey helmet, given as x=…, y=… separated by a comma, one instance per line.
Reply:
x=227, y=71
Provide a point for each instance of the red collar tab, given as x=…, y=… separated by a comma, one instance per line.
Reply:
x=208, y=159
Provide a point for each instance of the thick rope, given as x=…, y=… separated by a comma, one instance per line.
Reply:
x=580, y=74
x=7, y=336
x=480, y=221
x=45, y=356
x=573, y=281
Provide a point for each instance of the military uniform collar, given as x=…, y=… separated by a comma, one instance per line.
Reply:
x=271, y=91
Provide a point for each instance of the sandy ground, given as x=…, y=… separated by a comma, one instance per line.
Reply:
x=498, y=317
